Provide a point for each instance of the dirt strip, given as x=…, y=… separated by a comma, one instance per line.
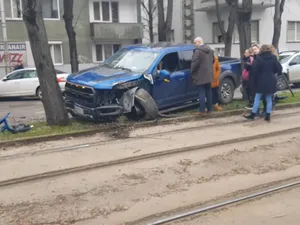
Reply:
x=129, y=192
x=119, y=149
x=277, y=209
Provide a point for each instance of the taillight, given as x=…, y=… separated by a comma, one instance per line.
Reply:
x=61, y=79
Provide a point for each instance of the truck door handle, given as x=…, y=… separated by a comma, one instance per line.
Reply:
x=181, y=78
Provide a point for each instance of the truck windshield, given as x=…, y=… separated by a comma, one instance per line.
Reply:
x=132, y=60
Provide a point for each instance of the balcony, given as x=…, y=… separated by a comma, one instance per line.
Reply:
x=116, y=31
x=210, y=5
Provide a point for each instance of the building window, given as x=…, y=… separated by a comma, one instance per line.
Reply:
x=56, y=53
x=217, y=34
x=104, y=51
x=254, y=33
x=106, y=11
x=13, y=9
x=293, y=31
x=50, y=9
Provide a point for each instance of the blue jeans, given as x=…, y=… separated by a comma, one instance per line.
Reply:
x=257, y=99
x=205, y=94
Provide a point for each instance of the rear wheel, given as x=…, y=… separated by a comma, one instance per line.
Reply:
x=281, y=82
x=39, y=93
x=226, y=91
x=144, y=107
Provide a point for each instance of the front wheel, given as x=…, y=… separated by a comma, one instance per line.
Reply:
x=226, y=91
x=144, y=108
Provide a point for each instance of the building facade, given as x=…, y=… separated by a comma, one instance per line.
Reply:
x=182, y=22
x=206, y=24
x=102, y=27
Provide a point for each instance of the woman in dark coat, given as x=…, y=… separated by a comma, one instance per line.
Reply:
x=264, y=70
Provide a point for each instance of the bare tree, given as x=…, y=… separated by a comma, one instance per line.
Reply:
x=164, y=23
x=149, y=9
x=244, y=13
x=68, y=17
x=279, y=5
x=52, y=97
x=227, y=35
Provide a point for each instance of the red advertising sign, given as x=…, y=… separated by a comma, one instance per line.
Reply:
x=17, y=52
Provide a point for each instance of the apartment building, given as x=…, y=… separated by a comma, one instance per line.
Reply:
x=102, y=27
x=206, y=24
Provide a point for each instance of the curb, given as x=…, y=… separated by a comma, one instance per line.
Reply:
x=129, y=126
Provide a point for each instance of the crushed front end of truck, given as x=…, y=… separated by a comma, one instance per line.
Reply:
x=101, y=104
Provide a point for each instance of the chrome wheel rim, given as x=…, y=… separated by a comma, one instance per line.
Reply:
x=225, y=91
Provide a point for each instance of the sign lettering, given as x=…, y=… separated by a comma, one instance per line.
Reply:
x=17, y=52
x=13, y=57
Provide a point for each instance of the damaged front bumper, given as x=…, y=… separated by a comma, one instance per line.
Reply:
x=96, y=113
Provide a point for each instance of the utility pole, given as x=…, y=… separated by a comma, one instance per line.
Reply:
x=4, y=34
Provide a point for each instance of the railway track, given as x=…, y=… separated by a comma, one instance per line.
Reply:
x=148, y=156
x=181, y=217
x=99, y=143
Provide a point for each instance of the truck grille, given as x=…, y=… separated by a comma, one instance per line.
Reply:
x=81, y=94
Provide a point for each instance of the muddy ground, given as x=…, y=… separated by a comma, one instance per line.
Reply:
x=277, y=209
x=129, y=192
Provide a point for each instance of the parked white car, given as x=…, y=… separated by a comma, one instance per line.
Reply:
x=25, y=83
x=290, y=61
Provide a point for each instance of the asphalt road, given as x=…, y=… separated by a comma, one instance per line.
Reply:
x=25, y=110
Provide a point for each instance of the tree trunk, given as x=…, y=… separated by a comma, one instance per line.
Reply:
x=68, y=17
x=168, y=23
x=150, y=19
x=161, y=21
x=227, y=35
x=279, y=6
x=52, y=97
x=244, y=13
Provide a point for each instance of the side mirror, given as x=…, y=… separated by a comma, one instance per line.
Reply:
x=292, y=63
x=4, y=79
x=164, y=75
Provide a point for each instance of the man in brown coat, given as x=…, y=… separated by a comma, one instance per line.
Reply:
x=202, y=73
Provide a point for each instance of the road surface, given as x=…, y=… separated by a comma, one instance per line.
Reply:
x=122, y=191
x=32, y=110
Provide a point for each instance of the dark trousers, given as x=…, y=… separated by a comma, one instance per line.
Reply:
x=205, y=93
x=215, y=95
x=247, y=91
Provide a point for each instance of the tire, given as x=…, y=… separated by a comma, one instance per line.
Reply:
x=281, y=83
x=144, y=108
x=39, y=93
x=226, y=91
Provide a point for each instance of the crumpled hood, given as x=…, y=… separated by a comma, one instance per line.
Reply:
x=102, y=77
x=204, y=48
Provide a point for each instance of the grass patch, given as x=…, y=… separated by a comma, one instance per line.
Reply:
x=241, y=104
x=41, y=129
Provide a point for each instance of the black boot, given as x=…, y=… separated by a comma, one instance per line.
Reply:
x=250, y=117
x=268, y=117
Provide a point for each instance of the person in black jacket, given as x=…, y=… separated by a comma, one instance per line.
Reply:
x=247, y=60
x=264, y=70
x=255, y=51
x=19, y=66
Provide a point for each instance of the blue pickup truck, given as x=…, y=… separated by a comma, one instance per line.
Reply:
x=140, y=81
